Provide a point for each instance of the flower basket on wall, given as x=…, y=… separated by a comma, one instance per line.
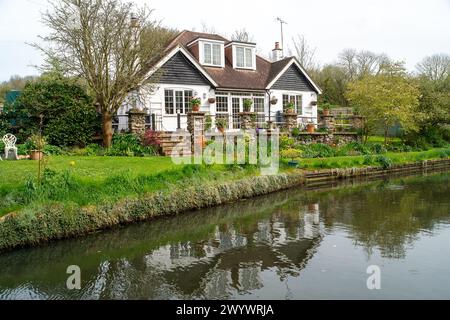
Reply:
x=212, y=100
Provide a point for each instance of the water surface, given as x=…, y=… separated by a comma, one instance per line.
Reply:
x=295, y=244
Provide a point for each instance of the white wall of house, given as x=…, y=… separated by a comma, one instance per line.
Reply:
x=155, y=104
x=309, y=111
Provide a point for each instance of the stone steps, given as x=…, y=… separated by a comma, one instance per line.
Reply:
x=168, y=146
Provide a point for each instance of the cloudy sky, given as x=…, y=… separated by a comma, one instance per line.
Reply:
x=406, y=30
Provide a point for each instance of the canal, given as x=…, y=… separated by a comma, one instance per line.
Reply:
x=296, y=244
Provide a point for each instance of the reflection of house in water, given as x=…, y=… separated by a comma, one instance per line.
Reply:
x=232, y=261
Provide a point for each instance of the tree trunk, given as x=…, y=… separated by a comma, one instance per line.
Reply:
x=107, y=129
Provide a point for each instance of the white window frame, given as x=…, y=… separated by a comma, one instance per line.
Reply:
x=299, y=109
x=212, y=44
x=174, y=101
x=253, y=55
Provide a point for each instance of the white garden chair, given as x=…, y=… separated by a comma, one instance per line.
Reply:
x=10, y=145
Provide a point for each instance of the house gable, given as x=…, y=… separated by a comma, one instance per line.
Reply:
x=293, y=80
x=179, y=70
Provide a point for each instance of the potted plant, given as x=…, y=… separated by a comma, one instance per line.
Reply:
x=310, y=127
x=289, y=107
x=195, y=103
x=248, y=103
x=221, y=124
x=36, y=144
x=291, y=154
x=326, y=109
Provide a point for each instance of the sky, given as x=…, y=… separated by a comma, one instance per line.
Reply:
x=406, y=30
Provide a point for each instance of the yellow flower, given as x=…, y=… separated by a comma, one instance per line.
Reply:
x=72, y=163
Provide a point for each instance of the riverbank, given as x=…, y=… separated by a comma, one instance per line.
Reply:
x=43, y=222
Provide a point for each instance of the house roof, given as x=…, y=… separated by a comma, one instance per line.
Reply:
x=228, y=77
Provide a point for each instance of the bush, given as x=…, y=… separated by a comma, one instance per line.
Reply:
x=151, y=139
x=129, y=145
x=295, y=132
x=318, y=150
x=384, y=162
x=69, y=117
x=53, y=150
x=378, y=148
x=290, y=154
x=286, y=142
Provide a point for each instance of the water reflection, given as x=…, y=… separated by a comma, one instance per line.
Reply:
x=237, y=250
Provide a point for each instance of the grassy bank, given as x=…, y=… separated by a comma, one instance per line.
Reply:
x=374, y=160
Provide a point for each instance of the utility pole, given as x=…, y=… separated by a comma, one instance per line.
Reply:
x=282, y=22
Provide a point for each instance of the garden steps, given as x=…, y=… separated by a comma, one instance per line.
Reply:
x=168, y=146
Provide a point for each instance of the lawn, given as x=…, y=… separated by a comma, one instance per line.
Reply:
x=92, y=180
x=91, y=168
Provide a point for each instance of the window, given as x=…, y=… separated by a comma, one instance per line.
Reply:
x=297, y=100
x=212, y=54
x=169, y=102
x=222, y=105
x=178, y=101
x=260, y=113
x=244, y=57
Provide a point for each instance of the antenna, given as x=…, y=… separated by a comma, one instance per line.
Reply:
x=282, y=22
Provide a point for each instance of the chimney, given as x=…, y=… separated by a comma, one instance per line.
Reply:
x=277, y=53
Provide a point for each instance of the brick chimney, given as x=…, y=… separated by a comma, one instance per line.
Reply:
x=277, y=53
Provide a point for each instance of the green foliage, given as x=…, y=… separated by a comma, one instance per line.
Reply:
x=384, y=161
x=69, y=117
x=291, y=154
x=295, y=132
x=221, y=123
x=317, y=150
x=129, y=145
x=387, y=99
x=208, y=122
x=248, y=103
x=286, y=142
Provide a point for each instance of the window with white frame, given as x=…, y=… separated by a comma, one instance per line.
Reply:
x=212, y=54
x=297, y=100
x=177, y=101
x=244, y=57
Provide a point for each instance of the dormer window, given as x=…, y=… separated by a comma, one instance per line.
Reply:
x=212, y=53
x=244, y=55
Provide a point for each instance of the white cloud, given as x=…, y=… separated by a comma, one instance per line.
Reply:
x=404, y=29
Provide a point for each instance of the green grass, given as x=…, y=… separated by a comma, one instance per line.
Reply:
x=380, y=139
x=358, y=161
x=93, y=180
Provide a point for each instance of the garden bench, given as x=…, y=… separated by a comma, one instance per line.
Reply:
x=10, y=145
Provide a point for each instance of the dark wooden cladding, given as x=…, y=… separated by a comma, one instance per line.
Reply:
x=179, y=70
x=293, y=80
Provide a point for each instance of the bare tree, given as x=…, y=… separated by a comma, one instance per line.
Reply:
x=435, y=67
x=112, y=45
x=242, y=35
x=304, y=53
x=359, y=64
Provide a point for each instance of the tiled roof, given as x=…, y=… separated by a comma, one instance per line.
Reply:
x=229, y=77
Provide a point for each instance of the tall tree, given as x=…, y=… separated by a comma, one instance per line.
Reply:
x=387, y=98
x=358, y=64
x=435, y=67
x=111, y=44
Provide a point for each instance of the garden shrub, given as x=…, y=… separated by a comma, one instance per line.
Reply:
x=286, y=142
x=129, y=145
x=384, y=162
x=378, y=148
x=318, y=150
x=69, y=117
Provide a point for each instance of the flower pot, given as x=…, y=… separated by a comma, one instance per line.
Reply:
x=326, y=113
x=36, y=155
x=310, y=128
x=221, y=130
x=212, y=100
x=290, y=111
x=293, y=164
x=196, y=108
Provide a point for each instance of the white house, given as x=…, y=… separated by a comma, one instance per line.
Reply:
x=223, y=74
